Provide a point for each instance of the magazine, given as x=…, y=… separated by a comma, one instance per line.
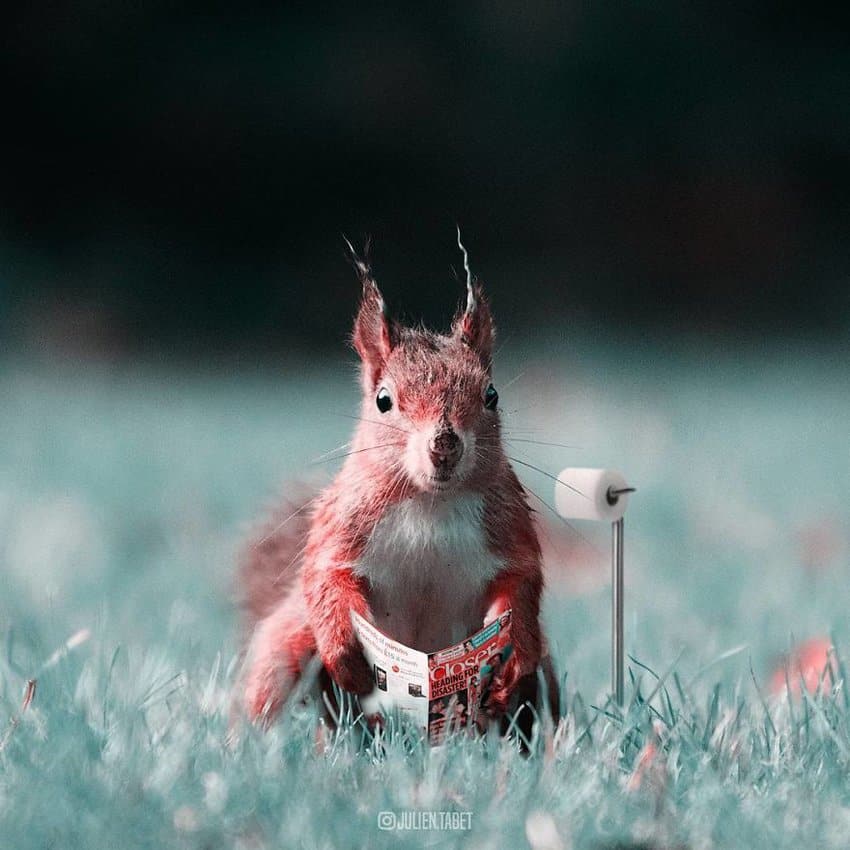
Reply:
x=437, y=690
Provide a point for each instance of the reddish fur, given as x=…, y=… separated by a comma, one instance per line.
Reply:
x=439, y=382
x=269, y=565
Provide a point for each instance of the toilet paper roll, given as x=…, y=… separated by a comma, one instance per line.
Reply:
x=583, y=494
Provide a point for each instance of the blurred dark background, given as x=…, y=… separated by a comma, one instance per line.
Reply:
x=179, y=179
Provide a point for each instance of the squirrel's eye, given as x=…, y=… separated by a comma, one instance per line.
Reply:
x=491, y=398
x=384, y=400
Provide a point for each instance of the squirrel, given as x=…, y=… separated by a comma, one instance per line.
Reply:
x=425, y=531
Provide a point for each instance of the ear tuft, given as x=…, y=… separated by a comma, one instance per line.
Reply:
x=474, y=326
x=361, y=266
x=374, y=335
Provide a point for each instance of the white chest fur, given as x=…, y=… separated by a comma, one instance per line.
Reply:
x=428, y=564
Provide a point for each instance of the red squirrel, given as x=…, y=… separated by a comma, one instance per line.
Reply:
x=425, y=531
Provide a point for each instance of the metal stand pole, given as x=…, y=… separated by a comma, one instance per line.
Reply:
x=617, y=684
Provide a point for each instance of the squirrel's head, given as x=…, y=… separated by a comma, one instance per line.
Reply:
x=428, y=399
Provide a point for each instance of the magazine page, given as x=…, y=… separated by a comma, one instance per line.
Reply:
x=437, y=691
x=401, y=674
x=460, y=676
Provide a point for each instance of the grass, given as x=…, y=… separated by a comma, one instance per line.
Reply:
x=124, y=492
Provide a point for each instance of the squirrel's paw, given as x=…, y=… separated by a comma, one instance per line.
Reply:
x=351, y=671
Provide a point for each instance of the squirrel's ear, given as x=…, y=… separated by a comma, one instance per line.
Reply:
x=374, y=334
x=474, y=326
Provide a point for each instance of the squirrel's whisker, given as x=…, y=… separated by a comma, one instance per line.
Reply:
x=330, y=451
x=510, y=439
x=547, y=474
x=370, y=421
x=513, y=380
x=281, y=524
x=355, y=452
x=569, y=525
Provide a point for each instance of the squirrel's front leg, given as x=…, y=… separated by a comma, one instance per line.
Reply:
x=520, y=591
x=332, y=591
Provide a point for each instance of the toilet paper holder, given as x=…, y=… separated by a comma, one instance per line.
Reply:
x=601, y=495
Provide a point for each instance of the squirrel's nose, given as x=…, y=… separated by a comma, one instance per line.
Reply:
x=445, y=450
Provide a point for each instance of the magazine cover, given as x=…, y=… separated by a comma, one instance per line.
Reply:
x=438, y=690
